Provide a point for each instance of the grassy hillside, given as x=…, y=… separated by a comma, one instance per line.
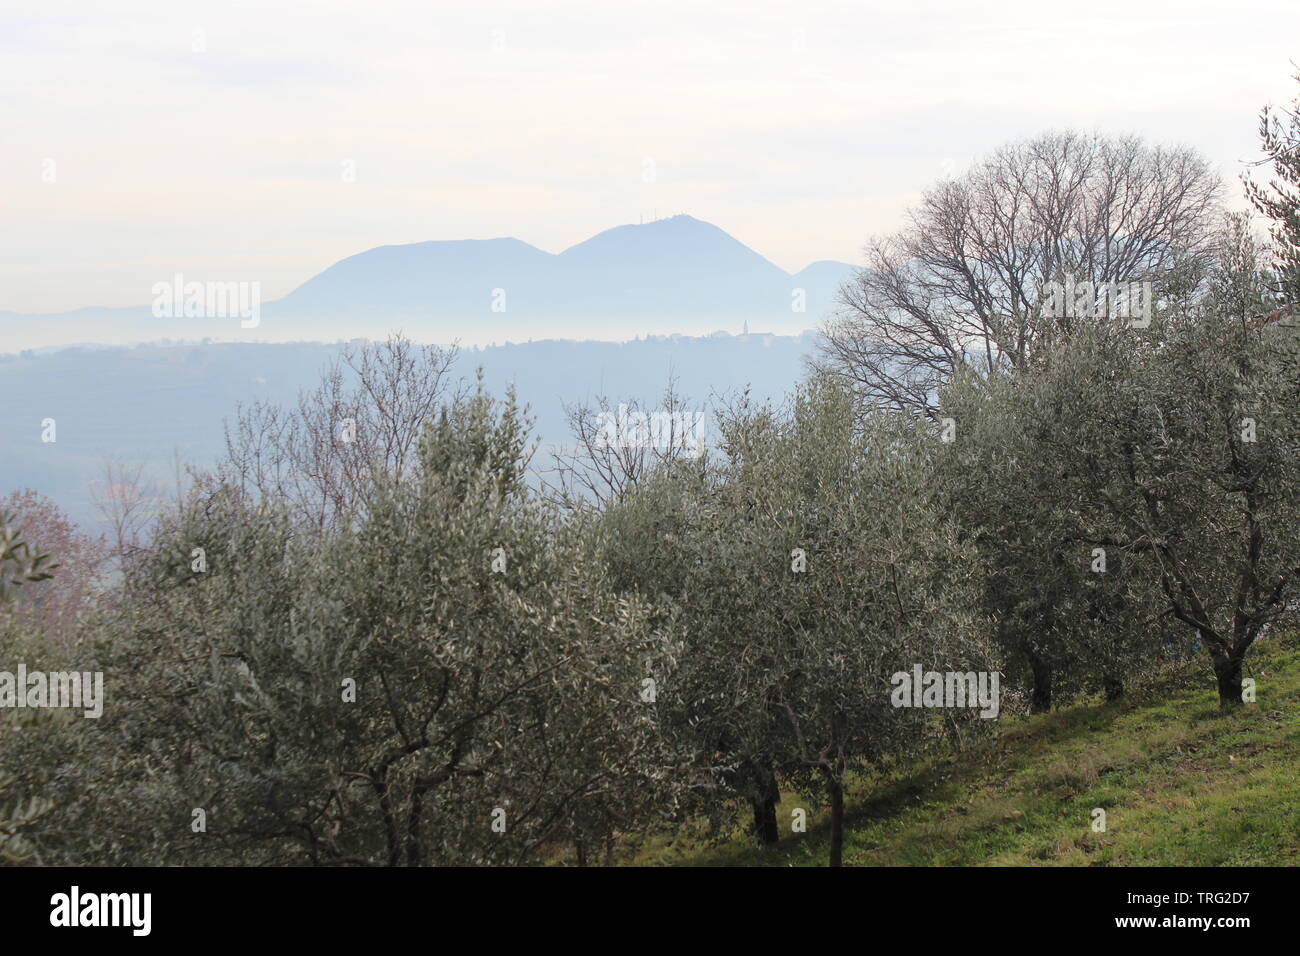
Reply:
x=1180, y=784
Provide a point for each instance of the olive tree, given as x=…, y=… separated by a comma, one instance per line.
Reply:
x=449, y=681
x=670, y=539
x=888, y=587
x=1279, y=199
x=23, y=784
x=810, y=566
x=1181, y=445
x=1069, y=614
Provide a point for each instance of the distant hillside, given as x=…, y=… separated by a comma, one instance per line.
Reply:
x=678, y=275
x=143, y=403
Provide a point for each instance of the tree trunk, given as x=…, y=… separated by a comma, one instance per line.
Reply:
x=1228, y=671
x=765, y=825
x=835, y=786
x=1040, y=700
x=1112, y=686
x=581, y=851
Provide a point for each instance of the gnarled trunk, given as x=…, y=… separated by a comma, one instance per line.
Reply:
x=1112, y=687
x=765, y=826
x=835, y=788
x=1040, y=700
x=1227, y=669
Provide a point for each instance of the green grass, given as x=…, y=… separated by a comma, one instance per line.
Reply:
x=1181, y=785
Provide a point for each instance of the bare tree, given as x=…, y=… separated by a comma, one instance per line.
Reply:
x=128, y=499
x=964, y=280
x=615, y=447
x=365, y=418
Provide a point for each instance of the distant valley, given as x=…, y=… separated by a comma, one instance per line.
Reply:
x=149, y=403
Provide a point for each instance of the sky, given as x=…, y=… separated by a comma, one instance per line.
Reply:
x=263, y=141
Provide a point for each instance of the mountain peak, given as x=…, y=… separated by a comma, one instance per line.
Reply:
x=682, y=240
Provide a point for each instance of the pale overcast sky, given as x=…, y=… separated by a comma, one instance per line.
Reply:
x=212, y=138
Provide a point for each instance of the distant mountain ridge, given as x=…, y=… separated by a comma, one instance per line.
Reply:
x=680, y=268
x=671, y=275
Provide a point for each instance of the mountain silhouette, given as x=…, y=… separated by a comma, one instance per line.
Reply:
x=677, y=267
x=672, y=275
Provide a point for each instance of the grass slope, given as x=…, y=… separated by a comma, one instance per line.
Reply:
x=1181, y=785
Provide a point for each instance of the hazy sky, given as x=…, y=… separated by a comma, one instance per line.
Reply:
x=213, y=138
